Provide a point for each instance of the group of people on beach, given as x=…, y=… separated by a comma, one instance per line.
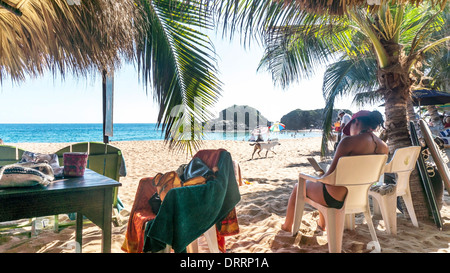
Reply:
x=358, y=138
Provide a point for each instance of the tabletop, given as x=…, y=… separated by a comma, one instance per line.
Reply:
x=90, y=179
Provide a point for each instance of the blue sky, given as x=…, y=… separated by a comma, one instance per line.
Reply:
x=48, y=100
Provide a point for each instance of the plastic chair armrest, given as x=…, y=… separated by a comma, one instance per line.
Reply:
x=329, y=179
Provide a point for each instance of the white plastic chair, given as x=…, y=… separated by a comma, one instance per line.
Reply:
x=356, y=173
x=402, y=164
x=211, y=240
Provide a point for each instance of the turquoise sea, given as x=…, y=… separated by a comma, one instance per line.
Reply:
x=78, y=132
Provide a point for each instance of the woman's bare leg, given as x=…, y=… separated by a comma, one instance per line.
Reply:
x=287, y=226
x=314, y=191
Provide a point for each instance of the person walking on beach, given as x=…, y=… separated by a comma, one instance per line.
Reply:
x=345, y=119
x=360, y=141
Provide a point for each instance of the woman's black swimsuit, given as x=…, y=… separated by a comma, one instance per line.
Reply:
x=329, y=200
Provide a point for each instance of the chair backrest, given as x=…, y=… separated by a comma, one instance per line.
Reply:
x=357, y=174
x=103, y=158
x=403, y=163
x=10, y=154
x=403, y=160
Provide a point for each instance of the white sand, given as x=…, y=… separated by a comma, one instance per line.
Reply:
x=261, y=210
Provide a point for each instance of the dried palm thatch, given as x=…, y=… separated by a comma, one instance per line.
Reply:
x=80, y=36
x=41, y=35
x=338, y=7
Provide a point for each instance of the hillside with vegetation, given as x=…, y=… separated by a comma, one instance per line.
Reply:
x=244, y=117
x=307, y=119
x=237, y=117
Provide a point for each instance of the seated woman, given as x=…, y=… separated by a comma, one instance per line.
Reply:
x=361, y=141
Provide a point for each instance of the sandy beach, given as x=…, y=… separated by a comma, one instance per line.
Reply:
x=261, y=210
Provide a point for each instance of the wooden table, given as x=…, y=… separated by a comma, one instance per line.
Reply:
x=90, y=195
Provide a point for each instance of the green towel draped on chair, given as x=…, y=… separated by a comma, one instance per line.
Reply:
x=188, y=212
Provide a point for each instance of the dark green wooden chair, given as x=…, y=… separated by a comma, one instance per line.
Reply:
x=104, y=159
x=11, y=155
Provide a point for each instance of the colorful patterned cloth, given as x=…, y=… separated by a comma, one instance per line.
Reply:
x=140, y=214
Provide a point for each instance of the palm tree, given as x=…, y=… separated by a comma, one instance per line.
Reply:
x=375, y=51
x=380, y=50
x=366, y=42
x=178, y=61
x=358, y=75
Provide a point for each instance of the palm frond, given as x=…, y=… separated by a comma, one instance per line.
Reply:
x=439, y=70
x=370, y=97
x=350, y=76
x=426, y=30
x=294, y=52
x=332, y=7
x=178, y=62
x=251, y=18
x=347, y=76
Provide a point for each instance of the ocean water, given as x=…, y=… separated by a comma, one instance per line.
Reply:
x=54, y=133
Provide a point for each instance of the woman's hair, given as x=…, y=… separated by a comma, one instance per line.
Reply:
x=373, y=120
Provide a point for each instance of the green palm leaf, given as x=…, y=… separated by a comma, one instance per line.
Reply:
x=357, y=76
x=350, y=76
x=294, y=52
x=179, y=64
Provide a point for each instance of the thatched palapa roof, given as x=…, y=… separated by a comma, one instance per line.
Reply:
x=41, y=35
x=80, y=36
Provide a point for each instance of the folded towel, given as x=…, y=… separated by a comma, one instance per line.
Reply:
x=187, y=212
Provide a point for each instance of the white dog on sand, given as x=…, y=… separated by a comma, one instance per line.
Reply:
x=259, y=146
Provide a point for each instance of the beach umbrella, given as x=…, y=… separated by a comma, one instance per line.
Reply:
x=425, y=97
x=277, y=126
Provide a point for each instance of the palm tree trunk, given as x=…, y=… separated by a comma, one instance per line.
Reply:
x=396, y=123
x=395, y=84
x=398, y=137
x=436, y=120
x=411, y=114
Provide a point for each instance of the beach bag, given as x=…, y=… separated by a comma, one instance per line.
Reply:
x=197, y=168
x=198, y=180
x=26, y=175
x=51, y=159
x=196, y=172
x=155, y=202
x=166, y=182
